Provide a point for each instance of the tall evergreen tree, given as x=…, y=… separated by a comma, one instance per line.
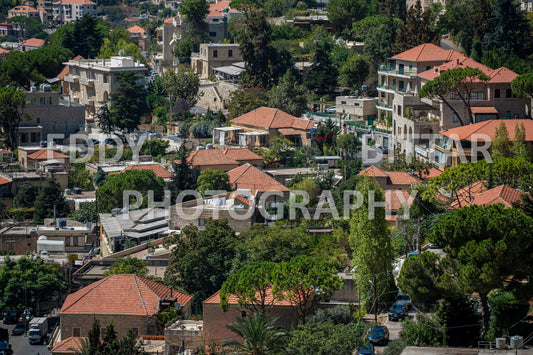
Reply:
x=417, y=29
x=183, y=176
x=501, y=146
x=288, y=95
x=520, y=149
x=128, y=102
x=26, y=195
x=11, y=102
x=50, y=195
x=322, y=77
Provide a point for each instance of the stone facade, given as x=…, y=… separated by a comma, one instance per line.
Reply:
x=213, y=55
x=358, y=108
x=80, y=324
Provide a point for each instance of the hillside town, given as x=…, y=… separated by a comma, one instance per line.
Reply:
x=261, y=177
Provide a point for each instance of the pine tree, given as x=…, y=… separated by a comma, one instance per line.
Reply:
x=417, y=29
x=25, y=196
x=184, y=177
x=501, y=146
x=288, y=95
x=322, y=78
x=50, y=195
x=520, y=149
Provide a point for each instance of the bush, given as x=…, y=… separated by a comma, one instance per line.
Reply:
x=424, y=331
x=339, y=315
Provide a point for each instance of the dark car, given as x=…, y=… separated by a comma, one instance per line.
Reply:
x=405, y=300
x=367, y=349
x=10, y=317
x=397, y=312
x=19, y=329
x=5, y=348
x=383, y=150
x=378, y=335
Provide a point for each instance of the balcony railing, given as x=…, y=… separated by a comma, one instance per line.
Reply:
x=392, y=70
x=383, y=106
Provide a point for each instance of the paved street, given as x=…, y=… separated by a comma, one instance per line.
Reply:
x=21, y=346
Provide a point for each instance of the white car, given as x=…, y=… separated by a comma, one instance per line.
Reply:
x=331, y=109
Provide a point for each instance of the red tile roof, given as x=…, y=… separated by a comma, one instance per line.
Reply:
x=234, y=300
x=394, y=177
x=71, y=345
x=248, y=176
x=241, y=154
x=488, y=129
x=432, y=172
x=267, y=117
x=395, y=198
x=44, y=154
x=219, y=6
x=500, y=75
x=4, y=181
x=79, y=2
x=121, y=294
x=33, y=42
x=4, y=51
x=64, y=72
x=156, y=168
x=428, y=52
x=23, y=9
x=210, y=157
x=215, y=14
x=480, y=196
x=464, y=196
x=137, y=29
x=489, y=109
x=168, y=20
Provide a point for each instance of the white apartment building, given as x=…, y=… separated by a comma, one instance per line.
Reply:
x=91, y=81
x=71, y=10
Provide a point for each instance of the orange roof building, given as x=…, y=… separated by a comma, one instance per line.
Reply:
x=397, y=180
x=211, y=158
x=428, y=52
x=129, y=301
x=32, y=43
x=478, y=194
x=157, y=169
x=486, y=130
x=248, y=176
x=45, y=154
x=243, y=156
x=137, y=30
x=71, y=345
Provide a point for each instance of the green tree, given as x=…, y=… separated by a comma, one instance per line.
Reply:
x=423, y=331
x=379, y=40
x=245, y=100
x=354, y=71
x=343, y=13
x=520, y=149
x=252, y=285
x=26, y=195
x=304, y=281
x=97, y=343
x=506, y=311
x=326, y=338
x=155, y=147
x=194, y=13
x=484, y=245
x=128, y=265
x=259, y=334
x=182, y=89
x=86, y=213
x=80, y=177
x=201, y=262
x=460, y=318
x=119, y=39
x=459, y=82
x=182, y=178
x=11, y=102
x=31, y=27
x=50, y=197
x=213, y=179
x=417, y=29
x=27, y=282
x=322, y=76
x=127, y=102
x=110, y=195
x=372, y=257
x=522, y=85
x=501, y=145
x=288, y=95
x=84, y=37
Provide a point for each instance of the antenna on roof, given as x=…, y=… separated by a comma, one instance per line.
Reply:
x=121, y=52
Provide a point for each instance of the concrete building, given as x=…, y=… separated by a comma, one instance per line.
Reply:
x=185, y=335
x=72, y=10
x=356, y=107
x=129, y=301
x=138, y=36
x=214, y=55
x=30, y=44
x=91, y=81
x=48, y=113
x=26, y=11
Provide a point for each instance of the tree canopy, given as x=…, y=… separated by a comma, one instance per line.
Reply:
x=12, y=100
x=128, y=102
x=49, y=198
x=128, y=265
x=212, y=179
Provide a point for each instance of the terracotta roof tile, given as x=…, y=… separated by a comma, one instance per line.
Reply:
x=44, y=154
x=215, y=14
x=33, y=42
x=428, y=52
x=481, y=196
x=4, y=181
x=79, y=2
x=395, y=198
x=210, y=157
x=168, y=20
x=234, y=300
x=219, y=6
x=488, y=128
x=4, y=51
x=373, y=171
x=23, y=9
x=123, y=294
x=241, y=154
x=432, y=172
x=156, y=168
x=267, y=117
x=137, y=29
x=402, y=178
x=465, y=195
x=71, y=345
x=248, y=176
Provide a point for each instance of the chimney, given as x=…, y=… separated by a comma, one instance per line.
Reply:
x=457, y=61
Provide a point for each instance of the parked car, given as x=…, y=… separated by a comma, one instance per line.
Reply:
x=379, y=335
x=20, y=328
x=397, y=312
x=413, y=253
x=404, y=299
x=175, y=135
x=367, y=349
x=10, y=317
x=5, y=348
x=331, y=109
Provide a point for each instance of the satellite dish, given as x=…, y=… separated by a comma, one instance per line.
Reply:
x=121, y=52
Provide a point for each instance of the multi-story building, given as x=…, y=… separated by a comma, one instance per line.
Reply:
x=213, y=55
x=416, y=120
x=91, y=81
x=71, y=10
x=356, y=107
x=31, y=44
x=26, y=11
x=47, y=9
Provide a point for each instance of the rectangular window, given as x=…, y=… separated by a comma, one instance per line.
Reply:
x=455, y=118
x=230, y=53
x=201, y=222
x=212, y=34
x=497, y=93
x=67, y=241
x=75, y=241
x=343, y=102
x=106, y=79
x=76, y=332
x=508, y=93
x=477, y=96
x=215, y=54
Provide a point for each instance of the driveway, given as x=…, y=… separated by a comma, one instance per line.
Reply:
x=20, y=344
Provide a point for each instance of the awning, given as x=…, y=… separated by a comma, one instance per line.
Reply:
x=226, y=129
x=229, y=70
x=484, y=110
x=255, y=133
x=289, y=132
x=312, y=130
